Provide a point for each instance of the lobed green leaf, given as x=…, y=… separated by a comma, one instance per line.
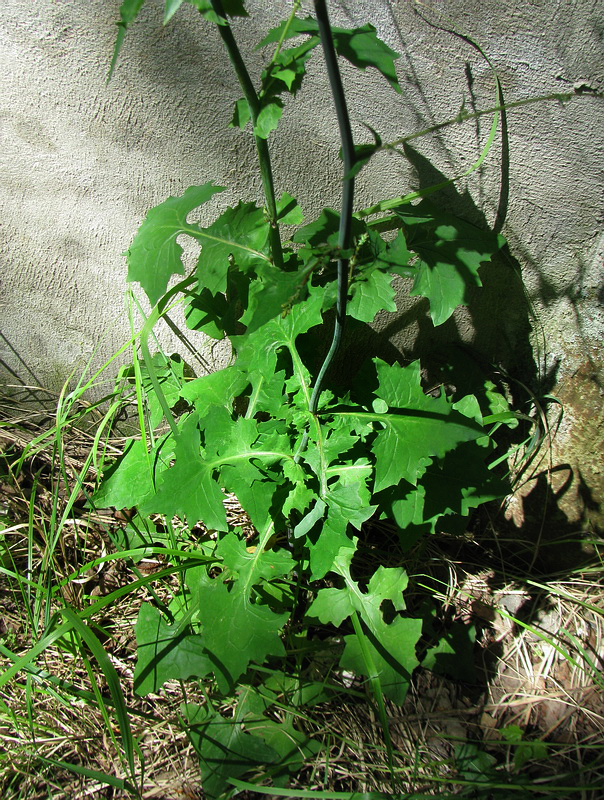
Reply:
x=450, y=252
x=155, y=255
x=237, y=631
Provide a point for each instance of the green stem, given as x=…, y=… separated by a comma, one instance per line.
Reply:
x=253, y=102
x=337, y=90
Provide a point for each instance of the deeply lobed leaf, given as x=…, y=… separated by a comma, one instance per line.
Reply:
x=155, y=255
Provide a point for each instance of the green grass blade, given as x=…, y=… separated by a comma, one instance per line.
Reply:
x=113, y=683
x=102, y=777
x=326, y=795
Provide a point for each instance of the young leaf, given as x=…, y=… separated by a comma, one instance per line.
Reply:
x=271, y=111
x=348, y=502
x=241, y=114
x=284, y=74
x=361, y=46
x=155, y=255
x=450, y=253
x=289, y=67
x=374, y=293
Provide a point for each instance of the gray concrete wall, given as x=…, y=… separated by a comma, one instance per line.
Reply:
x=83, y=161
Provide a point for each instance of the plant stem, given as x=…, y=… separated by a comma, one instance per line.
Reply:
x=337, y=91
x=253, y=102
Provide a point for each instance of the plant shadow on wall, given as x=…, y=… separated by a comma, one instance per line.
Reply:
x=345, y=476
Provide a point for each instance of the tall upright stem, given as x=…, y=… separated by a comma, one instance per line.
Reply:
x=344, y=237
x=253, y=102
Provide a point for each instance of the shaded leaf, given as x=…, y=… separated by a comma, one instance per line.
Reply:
x=395, y=257
x=417, y=428
x=165, y=653
x=292, y=745
x=450, y=252
x=241, y=114
x=217, y=314
x=273, y=295
x=131, y=479
x=232, y=8
x=392, y=645
x=257, y=350
x=210, y=314
x=288, y=210
x=225, y=750
x=189, y=489
x=240, y=233
x=393, y=651
x=453, y=655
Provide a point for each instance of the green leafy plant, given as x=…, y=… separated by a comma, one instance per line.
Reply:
x=310, y=463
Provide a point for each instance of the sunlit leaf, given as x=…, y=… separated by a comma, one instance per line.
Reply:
x=155, y=255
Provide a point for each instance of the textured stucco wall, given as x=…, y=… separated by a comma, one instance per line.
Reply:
x=83, y=161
